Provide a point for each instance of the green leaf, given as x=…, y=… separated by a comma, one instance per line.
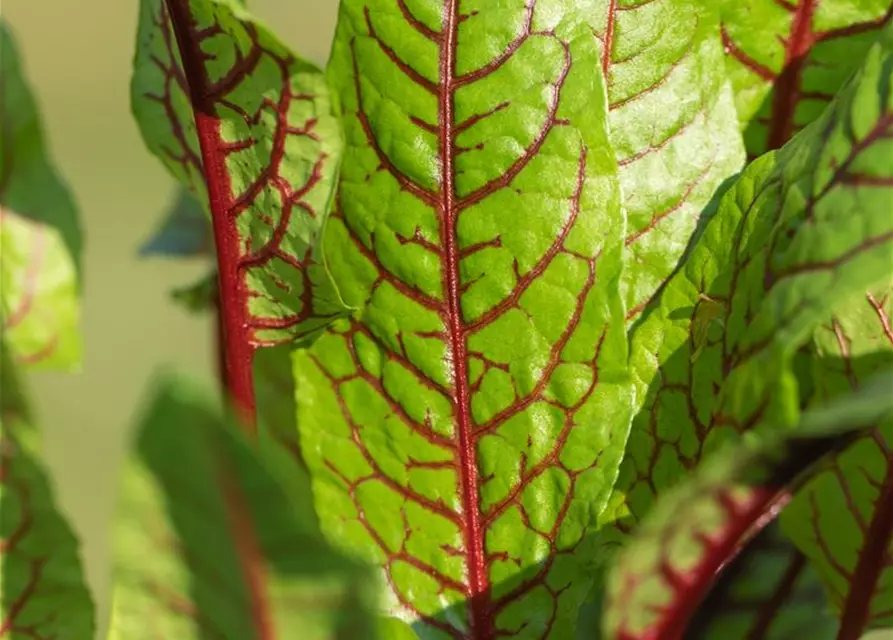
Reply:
x=42, y=587
x=271, y=144
x=843, y=518
x=184, y=233
x=227, y=528
x=465, y=424
x=788, y=58
x=799, y=232
x=672, y=120
x=40, y=242
x=661, y=577
x=769, y=591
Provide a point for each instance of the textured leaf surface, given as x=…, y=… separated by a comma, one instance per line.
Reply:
x=39, y=235
x=662, y=575
x=843, y=519
x=263, y=129
x=42, y=588
x=235, y=552
x=769, y=592
x=799, y=231
x=464, y=426
x=672, y=120
x=788, y=58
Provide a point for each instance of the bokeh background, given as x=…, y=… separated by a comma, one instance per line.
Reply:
x=78, y=58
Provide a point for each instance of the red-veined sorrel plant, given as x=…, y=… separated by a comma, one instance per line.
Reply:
x=518, y=341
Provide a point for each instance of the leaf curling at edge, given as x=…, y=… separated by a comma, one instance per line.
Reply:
x=272, y=143
x=43, y=591
x=697, y=527
x=781, y=250
x=40, y=260
x=236, y=552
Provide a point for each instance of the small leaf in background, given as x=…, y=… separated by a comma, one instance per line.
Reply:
x=768, y=592
x=40, y=241
x=787, y=59
x=42, y=587
x=184, y=233
x=271, y=144
x=797, y=233
x=672, y=119
x=843, y=518
x=217, y=537
x=662, y=576
x=465, y=424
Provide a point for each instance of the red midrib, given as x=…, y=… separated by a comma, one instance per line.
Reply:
x=787, y=87
x=867, y=574
x=233, y=299
x=608, y=42
x=481, y=615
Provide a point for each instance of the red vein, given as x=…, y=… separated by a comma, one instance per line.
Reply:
x=787, y=86
x=779, y=596
x=867, y=573
x=608, y=42
x=232, y=290
x=478, y=581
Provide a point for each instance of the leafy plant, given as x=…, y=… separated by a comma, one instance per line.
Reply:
x=516, y=342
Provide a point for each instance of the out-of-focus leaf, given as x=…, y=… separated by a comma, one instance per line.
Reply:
x=787, y=59
x=465, y=424
x=42, y=589
x=843, y=518
x=217, y=538
x=799, y=232
x=769, y=591
x=185, y=232
x=696, y=528
x=248, y=129
x=40, y=242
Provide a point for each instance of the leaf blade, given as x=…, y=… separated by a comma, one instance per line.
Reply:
x=40, y=261
x=439, y=287
x=237, y=551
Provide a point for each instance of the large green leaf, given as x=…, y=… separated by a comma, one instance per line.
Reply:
x=40, y=242
x=260, y=121
x=788, y=58
x=672, y=120
x=465, y=424
x=217, y=538
x=843, y=519
x=800, y=230
x=769, y=591
x=42, y=588
x=661, y=577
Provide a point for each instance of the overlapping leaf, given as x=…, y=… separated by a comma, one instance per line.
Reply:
x=464, y=426
x=843, y=519
x=672, y=120
x=217, y=538
x=185, y=231
x=42, y=588
x=788, y=58
x=40, y=240
x=269, y=148
x=799, y=231
x=661, y=577
x=768, y=592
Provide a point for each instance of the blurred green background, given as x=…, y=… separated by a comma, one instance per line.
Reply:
x=78, y=62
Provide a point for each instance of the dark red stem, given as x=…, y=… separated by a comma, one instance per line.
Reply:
x=236, y=336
